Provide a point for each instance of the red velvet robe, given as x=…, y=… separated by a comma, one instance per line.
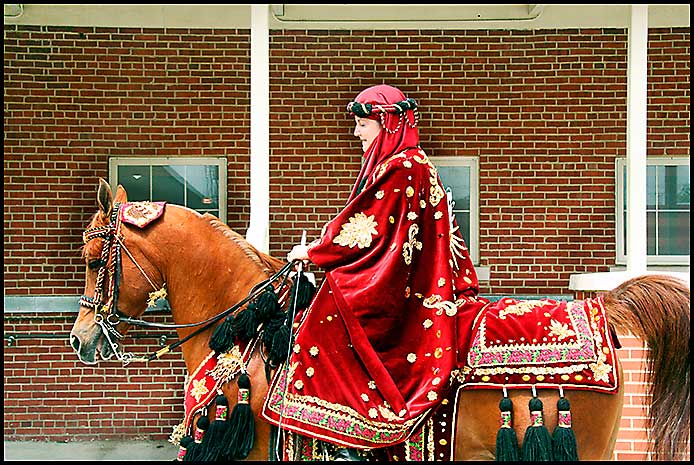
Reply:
x=373, y=353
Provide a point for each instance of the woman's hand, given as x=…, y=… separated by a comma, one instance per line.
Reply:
x=299, y=252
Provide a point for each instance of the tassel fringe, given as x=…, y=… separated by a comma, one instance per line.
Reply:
x=214, y=437
x=537, y=443
x=506, y=439
x=564, y=445
x=241, y=433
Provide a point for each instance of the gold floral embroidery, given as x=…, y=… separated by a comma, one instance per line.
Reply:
x=409, y=191
x=411, y=216
x=520, y=308
x=359, y=231
x=412, y=243
x=313, y=351
x=562, y=331
x=199, y=389
x=411, y=357
x=437, y=302
x=380, y=194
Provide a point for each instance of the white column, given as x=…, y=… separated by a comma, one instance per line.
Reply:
x=258, y=230
x=637, y=76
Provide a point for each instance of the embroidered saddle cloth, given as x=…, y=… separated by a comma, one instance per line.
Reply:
x=544, y=343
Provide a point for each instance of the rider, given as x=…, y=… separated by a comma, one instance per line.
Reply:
x=373, y=353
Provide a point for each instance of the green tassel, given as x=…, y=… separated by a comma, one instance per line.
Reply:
x=267, y=305
x=196, y=448
x=223, y=337
x=301, y=299
x=241, y=433
x=280, y=346
x=537, y=443
x=564, y=445
x=183, y=447
x=245, y=324
x=506, y=439
x=214, y=437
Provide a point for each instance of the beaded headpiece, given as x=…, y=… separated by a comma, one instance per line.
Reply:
x=365, y=110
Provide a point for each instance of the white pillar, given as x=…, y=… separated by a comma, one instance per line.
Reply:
x=258, y=230
x=637, y=77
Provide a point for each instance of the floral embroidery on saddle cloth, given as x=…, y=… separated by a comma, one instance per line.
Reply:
x=544, y=343
x=141, y=214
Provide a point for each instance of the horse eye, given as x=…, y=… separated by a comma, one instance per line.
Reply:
x=94, y=264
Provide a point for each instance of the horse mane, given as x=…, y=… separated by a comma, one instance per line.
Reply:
x=266, y=262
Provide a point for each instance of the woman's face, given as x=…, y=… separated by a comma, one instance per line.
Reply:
x=366, y=129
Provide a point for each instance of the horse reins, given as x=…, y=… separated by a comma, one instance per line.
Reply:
x=106, y=313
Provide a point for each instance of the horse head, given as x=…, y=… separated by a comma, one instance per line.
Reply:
x=98, y=328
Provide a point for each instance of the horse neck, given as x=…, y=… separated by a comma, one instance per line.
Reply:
x=207, y=271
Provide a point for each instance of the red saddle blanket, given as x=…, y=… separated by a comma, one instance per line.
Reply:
x=545, y=343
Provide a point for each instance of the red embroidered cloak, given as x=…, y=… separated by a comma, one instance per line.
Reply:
x=374, y=351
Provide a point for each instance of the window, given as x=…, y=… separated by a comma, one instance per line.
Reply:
x=667, y=211
x=197, y=183
x=461, y=175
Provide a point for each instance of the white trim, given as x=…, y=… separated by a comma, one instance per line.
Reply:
x=637, y=85
x=609, y=280
x=258, y=233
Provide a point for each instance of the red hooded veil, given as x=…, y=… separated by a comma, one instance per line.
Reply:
x=373, y=353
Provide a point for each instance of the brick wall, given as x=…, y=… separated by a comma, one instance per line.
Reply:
x=545, y=111
x=49, y=395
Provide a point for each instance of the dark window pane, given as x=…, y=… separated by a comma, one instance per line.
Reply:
x=202, y=187
x=673, y=233
x=135, y=180
x=168, y=184
x=463, y=220
x=458, y=179
x=650, y=233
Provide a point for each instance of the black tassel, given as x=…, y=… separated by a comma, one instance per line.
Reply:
x=270, y=329
x=241, y=433
x=537, y=443
x=223, y=337
x=245, y=323
x=267, y=305
x=564, y=445
x=214, y=437
x=183, y=447
x=301, y=299
x=195, y=448
x=506, y=439
x=280, y=346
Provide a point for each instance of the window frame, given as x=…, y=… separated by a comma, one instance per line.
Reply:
x=221, y=162
x=473, y=163
x=620, y=254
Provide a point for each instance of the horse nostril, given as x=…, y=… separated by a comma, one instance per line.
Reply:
x=75, y=342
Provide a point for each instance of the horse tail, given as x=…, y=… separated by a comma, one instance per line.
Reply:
x=655, y=308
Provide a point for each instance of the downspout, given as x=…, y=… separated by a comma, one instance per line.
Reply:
x=258, y=230
x=637, y=117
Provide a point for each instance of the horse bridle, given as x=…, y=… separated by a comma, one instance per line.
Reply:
x=106, y=313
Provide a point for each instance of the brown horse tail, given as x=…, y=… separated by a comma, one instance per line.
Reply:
x=655, y=308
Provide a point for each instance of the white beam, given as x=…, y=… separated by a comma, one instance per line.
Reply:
x=637, y=77
x=258, y=232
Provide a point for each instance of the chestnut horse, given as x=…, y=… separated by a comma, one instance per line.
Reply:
x=208, y=268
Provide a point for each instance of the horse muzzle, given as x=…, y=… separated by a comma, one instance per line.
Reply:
x=87, y=343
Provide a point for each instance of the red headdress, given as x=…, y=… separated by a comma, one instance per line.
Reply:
x=398, y=117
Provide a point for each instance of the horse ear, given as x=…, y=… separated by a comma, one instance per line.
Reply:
x=104, y=198
x=121, y=195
